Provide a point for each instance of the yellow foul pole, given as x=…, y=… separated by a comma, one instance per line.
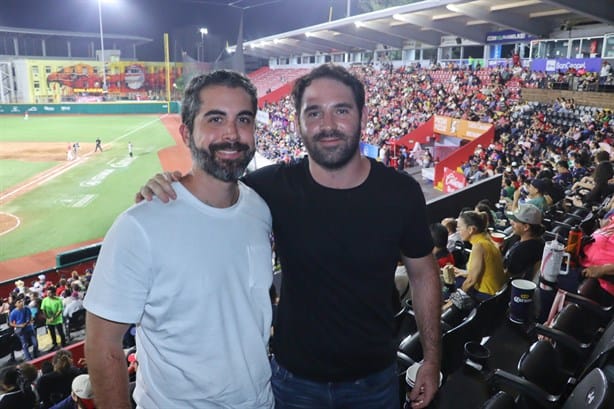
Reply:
x=167, y=64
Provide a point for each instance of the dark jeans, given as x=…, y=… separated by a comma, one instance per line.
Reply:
x=27, y=336
x=60, y=329
x=376, y=391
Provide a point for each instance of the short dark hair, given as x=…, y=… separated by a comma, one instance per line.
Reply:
x=563, y=164
x=10, y=376
x=333, y=72
x=602, y=156
x=439, y=233
x=191, y=99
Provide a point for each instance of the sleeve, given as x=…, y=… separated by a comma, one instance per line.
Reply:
x=122, y=277
x=417, y=241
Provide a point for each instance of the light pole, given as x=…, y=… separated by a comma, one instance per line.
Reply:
x=203, y=32
x=104, y=70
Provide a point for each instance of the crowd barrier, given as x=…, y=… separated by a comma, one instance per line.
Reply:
x=83, y=258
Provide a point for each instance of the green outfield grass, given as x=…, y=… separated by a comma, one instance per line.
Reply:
x=82, y=203
x=15, y=171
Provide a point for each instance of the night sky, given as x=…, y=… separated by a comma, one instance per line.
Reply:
x=180, y=18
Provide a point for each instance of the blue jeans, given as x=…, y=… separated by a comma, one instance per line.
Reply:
x=376, y=391
x=27, y=336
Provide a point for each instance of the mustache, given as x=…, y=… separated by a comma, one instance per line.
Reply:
x=241, y=147
x=329, y=134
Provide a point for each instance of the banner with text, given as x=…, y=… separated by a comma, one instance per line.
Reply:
x=453, y=181
x=564, y=64
x=459, y=128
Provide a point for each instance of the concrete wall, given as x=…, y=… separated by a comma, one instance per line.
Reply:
x=597, y=99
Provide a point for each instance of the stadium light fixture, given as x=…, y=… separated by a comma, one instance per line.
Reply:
x=203, y=32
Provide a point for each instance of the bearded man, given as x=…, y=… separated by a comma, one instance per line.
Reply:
x=194, y=276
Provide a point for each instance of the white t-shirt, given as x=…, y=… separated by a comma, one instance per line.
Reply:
x=195, y=279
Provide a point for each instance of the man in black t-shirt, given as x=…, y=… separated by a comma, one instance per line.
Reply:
x=341, y=221
x=522, y=258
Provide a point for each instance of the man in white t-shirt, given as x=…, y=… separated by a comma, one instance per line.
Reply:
x=194, y=275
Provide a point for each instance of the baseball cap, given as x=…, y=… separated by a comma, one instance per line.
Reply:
x=82, y=387
x=526, y=213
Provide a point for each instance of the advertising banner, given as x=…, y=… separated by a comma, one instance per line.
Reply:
x=459, y=128
x=368, y=150
x=507, y=36
x=564, y=64
x=452, y=180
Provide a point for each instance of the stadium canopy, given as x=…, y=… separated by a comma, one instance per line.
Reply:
x=427, y=22
x=29, y=42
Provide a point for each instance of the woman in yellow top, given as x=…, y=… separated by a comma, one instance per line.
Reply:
x=484, y=275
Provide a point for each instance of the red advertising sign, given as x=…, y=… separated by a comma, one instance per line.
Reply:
x=452, y=180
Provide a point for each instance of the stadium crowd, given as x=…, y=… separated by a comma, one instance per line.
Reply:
x=552, y=156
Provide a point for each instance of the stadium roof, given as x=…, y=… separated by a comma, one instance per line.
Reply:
x=31, y=32
x=427, y=21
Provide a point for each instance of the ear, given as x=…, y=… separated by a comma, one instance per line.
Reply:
x=185, y=134
x=364, y=118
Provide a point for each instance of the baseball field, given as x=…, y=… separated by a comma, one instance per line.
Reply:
x=48, y=201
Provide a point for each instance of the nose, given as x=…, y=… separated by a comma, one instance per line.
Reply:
x=328, y=121
x=231, y=133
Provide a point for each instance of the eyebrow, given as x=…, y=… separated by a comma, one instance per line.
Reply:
x=220, y=112
x=337, y=105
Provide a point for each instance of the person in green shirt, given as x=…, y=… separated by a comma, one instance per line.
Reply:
x=53, y=307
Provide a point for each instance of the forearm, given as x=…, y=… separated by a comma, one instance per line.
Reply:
x=106, y=363
x=426, y=300
x=109, y=376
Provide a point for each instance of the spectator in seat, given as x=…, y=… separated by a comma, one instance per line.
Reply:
x=81, y=395
x=453, y=234
x=439, y=233
x=75, y=304
x=522, y=258
x=14, y=396
x=484, y=275
x=56, y=385
x=601, y=177
x=536, y=190
x=563, y=176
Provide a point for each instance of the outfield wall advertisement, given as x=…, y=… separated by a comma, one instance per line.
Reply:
x=106, y=108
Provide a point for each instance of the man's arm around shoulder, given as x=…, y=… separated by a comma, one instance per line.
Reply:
x=106, y=362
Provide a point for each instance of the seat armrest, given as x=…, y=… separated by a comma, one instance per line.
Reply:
x=563, y=338
x=524, y=387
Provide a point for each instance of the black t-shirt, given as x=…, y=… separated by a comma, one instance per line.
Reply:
x=18, y=399
x=522, y=256
x=338, y=250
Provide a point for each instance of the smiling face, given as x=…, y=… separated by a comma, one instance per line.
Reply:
x=330, y=123
x=222, y=141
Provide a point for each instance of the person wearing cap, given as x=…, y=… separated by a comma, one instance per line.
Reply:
x=21, y=321
x=537, y=189
x=522, y=258
x=81, y=395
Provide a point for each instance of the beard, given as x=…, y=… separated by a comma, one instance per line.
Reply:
x=222, y=169
x=334, y=157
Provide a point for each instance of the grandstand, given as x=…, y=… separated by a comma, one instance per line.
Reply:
x=536, y=125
